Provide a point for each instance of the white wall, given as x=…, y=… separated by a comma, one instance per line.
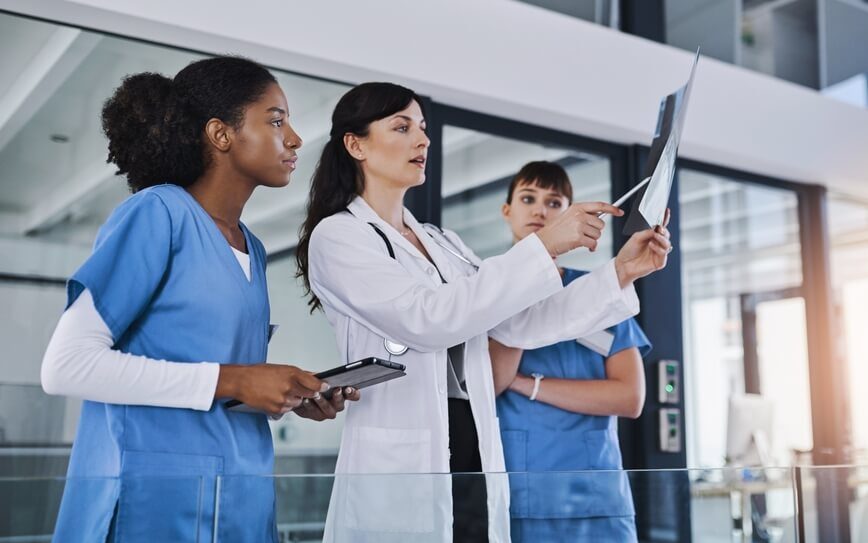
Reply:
x=517, y=61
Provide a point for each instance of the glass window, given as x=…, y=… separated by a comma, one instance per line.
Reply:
x=601, y=12
x=744, y=314
x=780, y=39
x=477, y=171
x=56, y=190
x=843, y=27
x=711, y=24
x=769, y=36
x=848, y=233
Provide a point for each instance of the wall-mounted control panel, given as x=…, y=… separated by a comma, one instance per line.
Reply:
x=670, y=430
x=668, y=382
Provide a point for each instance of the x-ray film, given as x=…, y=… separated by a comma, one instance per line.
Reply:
x=649, y=205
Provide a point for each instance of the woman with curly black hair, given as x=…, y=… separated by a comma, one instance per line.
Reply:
x=170, y=314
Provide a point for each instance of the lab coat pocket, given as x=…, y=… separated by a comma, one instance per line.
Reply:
x=515, y=454
x=392, y=493
x=166, y=496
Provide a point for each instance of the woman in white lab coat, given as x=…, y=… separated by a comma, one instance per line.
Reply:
x=386, y=282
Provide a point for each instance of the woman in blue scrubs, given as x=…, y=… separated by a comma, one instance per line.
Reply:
x=170, y=315
x=558, y=405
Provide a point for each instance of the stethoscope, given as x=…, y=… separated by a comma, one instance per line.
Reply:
x=397, y=349
x=446, y=245
x=394, y=348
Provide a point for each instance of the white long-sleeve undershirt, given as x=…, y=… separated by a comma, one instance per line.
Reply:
x=80, y=362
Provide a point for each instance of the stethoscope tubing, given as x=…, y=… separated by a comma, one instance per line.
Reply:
x=395, y=348
x=452, y=250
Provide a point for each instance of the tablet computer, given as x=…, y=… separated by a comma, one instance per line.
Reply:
x=359, y=374
x=362, y=373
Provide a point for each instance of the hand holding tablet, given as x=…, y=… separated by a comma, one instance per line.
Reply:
x=359, y=374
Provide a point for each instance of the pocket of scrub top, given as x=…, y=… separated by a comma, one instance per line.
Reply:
x=166, y=496
x=389, y=494
x=602, y=450
x=515, y=455
x=610, y=486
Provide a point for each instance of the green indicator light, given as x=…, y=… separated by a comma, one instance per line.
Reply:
x=669, y=388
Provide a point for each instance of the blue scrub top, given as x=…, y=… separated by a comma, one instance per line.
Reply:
x=167, y=284
x=540, y=438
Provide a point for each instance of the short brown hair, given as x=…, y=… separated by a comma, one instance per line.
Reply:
x=544, y=174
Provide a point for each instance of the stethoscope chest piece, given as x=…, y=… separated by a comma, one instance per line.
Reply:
x=393, y=348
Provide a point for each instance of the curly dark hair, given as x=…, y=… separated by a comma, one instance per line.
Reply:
x=155, y=125
x=337, y=178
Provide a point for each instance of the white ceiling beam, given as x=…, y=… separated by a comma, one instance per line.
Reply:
x=10, y=222
x=58, y=58
x=70, y=196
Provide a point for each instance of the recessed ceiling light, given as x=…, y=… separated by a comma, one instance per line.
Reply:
x=59, y=138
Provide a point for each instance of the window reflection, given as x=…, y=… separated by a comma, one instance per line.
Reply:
x=744, y=313
x=477, y=171
x=848, y=232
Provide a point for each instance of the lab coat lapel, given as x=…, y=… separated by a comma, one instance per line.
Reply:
x=362, y=211
x=441, y=259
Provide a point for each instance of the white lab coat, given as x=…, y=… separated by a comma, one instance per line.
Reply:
x=401, y=427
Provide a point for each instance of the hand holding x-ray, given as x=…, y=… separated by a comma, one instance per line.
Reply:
x=644, y=253
x=649, y=208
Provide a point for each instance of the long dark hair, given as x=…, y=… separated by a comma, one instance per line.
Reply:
x=338, y=178
x=155, y=125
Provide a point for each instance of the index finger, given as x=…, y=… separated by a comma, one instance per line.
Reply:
x=311, y=384
x=600, y=208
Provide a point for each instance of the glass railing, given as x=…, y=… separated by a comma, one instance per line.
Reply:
x=805, y=504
